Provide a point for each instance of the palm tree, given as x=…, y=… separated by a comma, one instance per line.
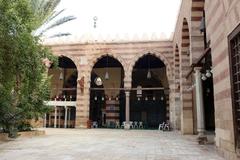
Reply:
x=46, y=14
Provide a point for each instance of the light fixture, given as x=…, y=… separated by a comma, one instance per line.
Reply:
x=116, y=98
x=146, y=98
x=154, y=98
x=138, y=99
x=139, y=91
x=208, y=73
x=204, y=78
x=95, y=98
x=208, y=90
x=95, y=18
x=149, y=75
x=162, y=98
x=98, y=81
x=61, y=75
x=102, y=98
x=107, y=74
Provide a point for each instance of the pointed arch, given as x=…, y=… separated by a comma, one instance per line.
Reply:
x=71, y=59
x=95, y=59
x=158, y=55
x=66, y=60
x=149, y=70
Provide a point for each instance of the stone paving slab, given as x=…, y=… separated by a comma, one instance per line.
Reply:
x=105, y=144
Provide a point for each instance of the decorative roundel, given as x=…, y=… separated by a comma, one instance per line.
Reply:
x=98, y=81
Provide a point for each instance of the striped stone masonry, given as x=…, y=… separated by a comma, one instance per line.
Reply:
x=112, y=111
x=178, y=55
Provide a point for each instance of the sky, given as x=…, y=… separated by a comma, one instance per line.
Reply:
x=119, y=19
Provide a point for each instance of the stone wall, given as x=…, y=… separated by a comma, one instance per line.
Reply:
x=222, y=17
x=127, y=53
x=188, y=44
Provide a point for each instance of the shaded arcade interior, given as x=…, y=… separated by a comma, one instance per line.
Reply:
x=208, y=92
x=149, y=102
x=149, y=96
x=107, y=101
x=63, y=94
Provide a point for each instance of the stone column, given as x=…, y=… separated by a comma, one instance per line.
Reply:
x=55, y=116
x=50, y=119
x=45, y=120
x=127, y=86
x=127, y=109
x=69, y=117
x=59, y=118
x=199, y=103
x=65, y=116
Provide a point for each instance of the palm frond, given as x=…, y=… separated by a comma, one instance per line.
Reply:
x=53, y=15
x=43, y=9
x=49, y=6
x=45, y=12
x=60, y=35
x=58, y=22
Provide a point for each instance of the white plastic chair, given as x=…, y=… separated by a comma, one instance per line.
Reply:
x=135, y=124
x=161, y=126
x=131, y=124
x=117, y=125
x=123, y=124
x=166, y=127
x=95, y=124
x=140, y=125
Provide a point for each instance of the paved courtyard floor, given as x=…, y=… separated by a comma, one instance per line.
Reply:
x=104, y=144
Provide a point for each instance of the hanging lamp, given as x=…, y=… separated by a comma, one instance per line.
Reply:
x=107, y=74
x=154, y=98
x=208, y=73
x=149, y=75
x=61, y=74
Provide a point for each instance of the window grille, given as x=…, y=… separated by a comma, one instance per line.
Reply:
x=234, y=43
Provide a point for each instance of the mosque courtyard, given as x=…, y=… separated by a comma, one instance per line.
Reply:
x=114, y=144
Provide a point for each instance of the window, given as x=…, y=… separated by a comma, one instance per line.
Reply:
x=234, y=48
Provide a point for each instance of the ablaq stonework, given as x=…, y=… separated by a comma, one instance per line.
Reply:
x=191, y=82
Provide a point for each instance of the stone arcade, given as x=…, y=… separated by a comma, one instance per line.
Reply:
x=192, y=81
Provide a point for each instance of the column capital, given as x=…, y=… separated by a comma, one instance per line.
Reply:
x=127, y=93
